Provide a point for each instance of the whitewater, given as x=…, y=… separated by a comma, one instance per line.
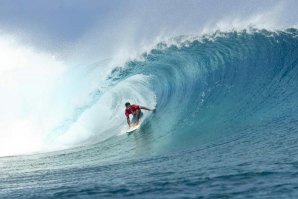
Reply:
x=225, y=124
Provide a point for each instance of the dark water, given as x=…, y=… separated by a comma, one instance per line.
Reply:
x=225, y=127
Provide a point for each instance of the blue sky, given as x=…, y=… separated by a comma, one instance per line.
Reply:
x=59, y=25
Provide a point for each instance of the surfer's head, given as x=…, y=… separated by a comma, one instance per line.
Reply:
x=127, y=104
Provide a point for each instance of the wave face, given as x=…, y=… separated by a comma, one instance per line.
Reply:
x=218, y=85
x=226, y=120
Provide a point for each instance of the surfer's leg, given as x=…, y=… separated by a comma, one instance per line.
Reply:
x=137, y=116
x=141, y=115
x=133, y=119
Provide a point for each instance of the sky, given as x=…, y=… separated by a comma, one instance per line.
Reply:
x=71, y=28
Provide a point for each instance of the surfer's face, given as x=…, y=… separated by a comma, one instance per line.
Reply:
x=128, y=107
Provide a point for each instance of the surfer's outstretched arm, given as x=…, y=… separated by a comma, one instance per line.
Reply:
x=145, y=108
x=128, y=121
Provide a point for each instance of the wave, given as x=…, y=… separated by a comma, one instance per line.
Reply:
x=205, y=88
x=219, y=85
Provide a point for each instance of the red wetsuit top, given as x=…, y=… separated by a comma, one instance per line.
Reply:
x=133, y=108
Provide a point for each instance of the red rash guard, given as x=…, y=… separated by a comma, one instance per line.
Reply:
x=133, y=108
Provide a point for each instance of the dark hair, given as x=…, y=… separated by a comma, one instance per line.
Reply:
x=127, y=104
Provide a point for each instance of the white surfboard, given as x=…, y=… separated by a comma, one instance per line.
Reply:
x=133, y=128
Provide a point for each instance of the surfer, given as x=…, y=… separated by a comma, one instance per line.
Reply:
x=135, y=110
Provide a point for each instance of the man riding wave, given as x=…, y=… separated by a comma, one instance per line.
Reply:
x=135, y=110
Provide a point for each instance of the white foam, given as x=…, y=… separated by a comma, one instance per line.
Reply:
x=27, y=87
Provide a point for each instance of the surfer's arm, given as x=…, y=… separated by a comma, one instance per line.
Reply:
x=142, y=107
x=128, y=121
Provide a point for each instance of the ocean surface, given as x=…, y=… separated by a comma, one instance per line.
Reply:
x=225, y=126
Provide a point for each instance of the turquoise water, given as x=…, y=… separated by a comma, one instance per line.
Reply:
x=225, y=127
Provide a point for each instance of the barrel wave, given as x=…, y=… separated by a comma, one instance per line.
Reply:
x=226, y=119
x=218, y=85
